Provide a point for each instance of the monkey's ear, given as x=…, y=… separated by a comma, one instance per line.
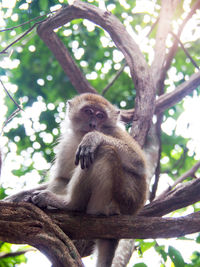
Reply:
x=117, y=112
x=68, y=104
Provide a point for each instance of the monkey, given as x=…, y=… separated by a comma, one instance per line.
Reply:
x=99, y=168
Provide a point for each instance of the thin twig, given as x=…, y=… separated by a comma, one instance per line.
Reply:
x=189, y=173
x=27, y=22
x=185, y=50
x=157, y=171
x=10, y=118
x=4, y=255
x=153, y=27
x=19, y=107
x=178, y=163
x=24, y=34
x=172, y=52
x=114, y=79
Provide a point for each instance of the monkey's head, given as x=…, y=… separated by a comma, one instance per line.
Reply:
x=89, y=112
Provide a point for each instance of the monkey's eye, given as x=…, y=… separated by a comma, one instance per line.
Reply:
x=100, y=115
x=88, y=111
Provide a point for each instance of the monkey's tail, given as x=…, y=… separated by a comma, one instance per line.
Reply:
x=105, y=251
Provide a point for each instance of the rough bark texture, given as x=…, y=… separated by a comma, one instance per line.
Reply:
x=39, y=230
x=29, y=225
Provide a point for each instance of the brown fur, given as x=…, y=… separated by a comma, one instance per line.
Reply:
x=98, y=168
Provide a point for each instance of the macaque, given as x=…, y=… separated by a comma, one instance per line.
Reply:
x=98, y=169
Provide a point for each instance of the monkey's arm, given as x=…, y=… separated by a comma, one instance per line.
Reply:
x=128, y=150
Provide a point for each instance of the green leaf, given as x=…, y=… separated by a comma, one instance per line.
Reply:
x=43, y=5
x=161, y=250
x=140, y=265
x=144, y=246
x=176, y=257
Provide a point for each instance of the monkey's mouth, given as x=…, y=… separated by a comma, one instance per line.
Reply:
x=88, y=130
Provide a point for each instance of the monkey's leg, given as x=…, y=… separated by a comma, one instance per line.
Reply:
x=104, y=171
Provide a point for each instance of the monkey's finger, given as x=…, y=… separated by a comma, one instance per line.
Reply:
x=91, y=157
x=87, y=157
x=77, y=155
x=82, y=156
x=82, y=161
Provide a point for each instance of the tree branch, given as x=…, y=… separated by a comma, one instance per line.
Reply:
x=38, y=231
x=173, y=49
x=113, y=79
x=44, y=233
x=180, y=197
x=88, y=227
x=170, y=99
x=185, y=50
x=4, y=255
x=145, y=95
x=184, y=176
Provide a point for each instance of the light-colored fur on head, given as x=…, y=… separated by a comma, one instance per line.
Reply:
x=77, y=103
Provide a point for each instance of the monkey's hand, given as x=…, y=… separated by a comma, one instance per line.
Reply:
x=86, y=149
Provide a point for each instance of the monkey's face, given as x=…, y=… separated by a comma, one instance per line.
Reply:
x=92, y=118
x=89, y=112
x=89, y=118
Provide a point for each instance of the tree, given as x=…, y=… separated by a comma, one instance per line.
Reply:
x=150, y=94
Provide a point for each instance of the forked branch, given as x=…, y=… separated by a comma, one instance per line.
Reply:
x=140, y=72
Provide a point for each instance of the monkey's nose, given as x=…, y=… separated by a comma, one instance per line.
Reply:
x=92, y=125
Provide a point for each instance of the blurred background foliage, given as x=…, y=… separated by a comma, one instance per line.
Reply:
x=34, y=78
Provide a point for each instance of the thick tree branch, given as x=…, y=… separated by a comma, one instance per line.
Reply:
x=38, y=231
x=78, y=226
x=182, y=196
x=170, y=99
x=89, y=227
x=145, y=95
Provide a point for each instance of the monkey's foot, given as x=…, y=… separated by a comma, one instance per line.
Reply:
x=46, y=198
x=23, y=196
